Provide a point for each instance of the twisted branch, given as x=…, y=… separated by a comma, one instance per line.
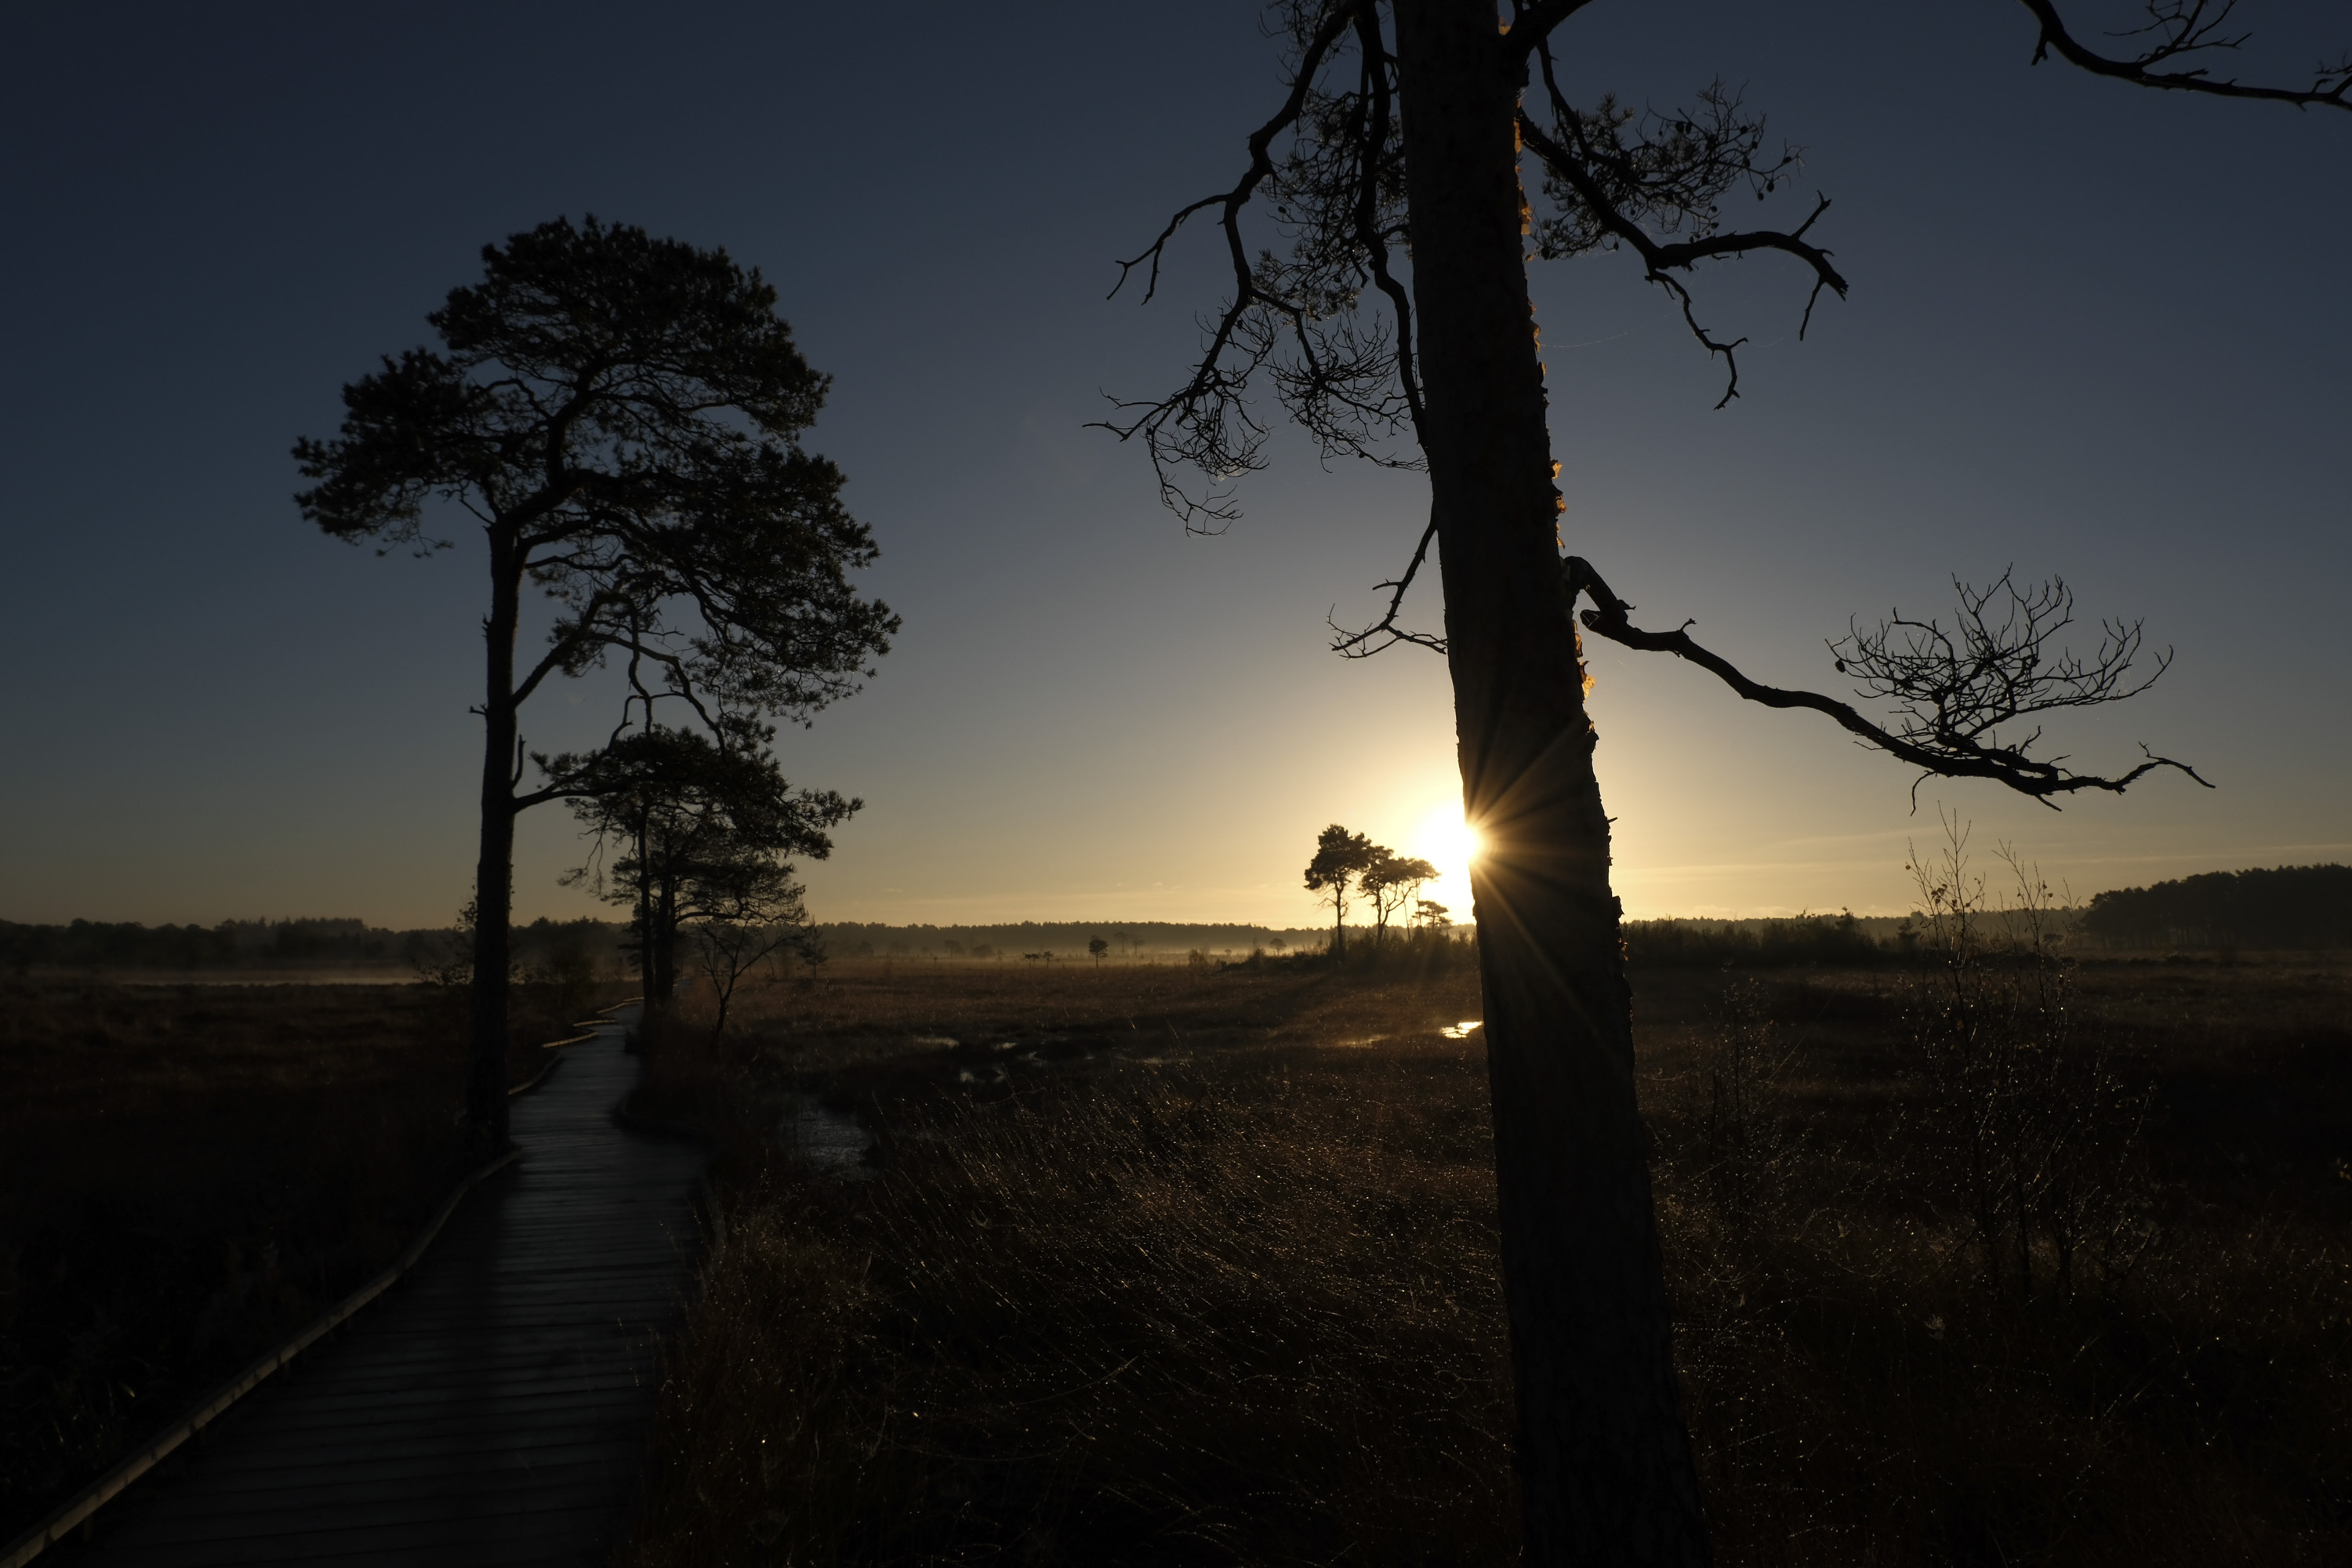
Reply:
x=2182, y=28
x=1575, y=167
x=1360, y=644
x=1200, y=408
x=1961, y=747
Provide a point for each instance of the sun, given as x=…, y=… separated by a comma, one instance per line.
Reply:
x=1450, y=844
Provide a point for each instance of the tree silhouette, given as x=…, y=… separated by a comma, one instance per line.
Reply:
x=621, y=415
x=1390, y=881
x=1340, y=857
x=689, y=831
x=748, y=909
x=1402, y=132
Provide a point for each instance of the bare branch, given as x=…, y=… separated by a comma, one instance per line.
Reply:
x=1210, y=428
x=2182, y=28
x=1297, y=314
x=1995, y=667
x=1158, y=247
x=1677, y=170
x=1368, y=233
x=1957, y=691
x=1360, y=644
x=1532, y=24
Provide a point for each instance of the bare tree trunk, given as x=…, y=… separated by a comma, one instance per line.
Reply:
x=485, y=1078
x=664, y=947
x=718, y=1025
x=644, y=896
x=1603, y=1459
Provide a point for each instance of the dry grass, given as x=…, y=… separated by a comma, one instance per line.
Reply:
x=189, y=1173
x=1208, y=1276
x=1859, y=1395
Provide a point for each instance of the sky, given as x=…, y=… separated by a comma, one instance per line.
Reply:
x=2094, y=331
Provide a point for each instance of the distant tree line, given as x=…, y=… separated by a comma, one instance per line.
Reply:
x=275, y=945
x=2291, y=907
x=1122, y=939
x=1844, y=940
x=106, y=944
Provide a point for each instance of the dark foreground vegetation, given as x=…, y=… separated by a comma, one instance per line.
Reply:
x=190, y=1172
x=2007, y=1265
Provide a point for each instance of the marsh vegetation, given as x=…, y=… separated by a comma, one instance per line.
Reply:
x=2015, y=1264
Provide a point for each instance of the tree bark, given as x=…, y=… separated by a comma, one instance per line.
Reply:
x=645, y=892
x=1603, y=1459
x=486, y=1075
x=665, y=948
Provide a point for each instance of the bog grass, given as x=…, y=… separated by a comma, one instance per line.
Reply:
x=1175, y=1266
x=189, y=1173
x=1201, y=1268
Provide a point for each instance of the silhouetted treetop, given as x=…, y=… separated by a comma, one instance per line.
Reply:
x=674, y=772
x=688, y=829
x=626, y=412
x=1341, y=857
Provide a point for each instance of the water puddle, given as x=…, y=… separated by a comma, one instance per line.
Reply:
x=1462, y=1030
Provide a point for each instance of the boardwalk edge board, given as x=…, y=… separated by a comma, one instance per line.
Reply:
x=540, y=1076
x=78, y=1510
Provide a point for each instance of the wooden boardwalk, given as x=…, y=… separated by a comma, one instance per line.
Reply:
x=494, y=1408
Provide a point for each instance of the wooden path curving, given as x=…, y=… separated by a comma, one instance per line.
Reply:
x=493, y=1408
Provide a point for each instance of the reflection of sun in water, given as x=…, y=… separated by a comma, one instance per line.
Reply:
x=1448, y=843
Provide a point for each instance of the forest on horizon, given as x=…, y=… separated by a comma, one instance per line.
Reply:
x=2286, y=908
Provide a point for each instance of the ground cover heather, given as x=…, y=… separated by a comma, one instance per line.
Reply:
x=1174, y=1265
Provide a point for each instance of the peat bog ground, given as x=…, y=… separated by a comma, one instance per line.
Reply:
x=1174, y=1265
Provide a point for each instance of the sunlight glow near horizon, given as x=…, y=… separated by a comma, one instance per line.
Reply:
x=1443, y=839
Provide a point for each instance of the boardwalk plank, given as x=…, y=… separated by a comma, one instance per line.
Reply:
x=526, y=1417
x=476, y=1451
x=522, y=1499
x=423, y=1468
x=494, y=1408
x=539, y=1534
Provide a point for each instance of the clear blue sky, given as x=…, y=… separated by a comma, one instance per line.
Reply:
x=2093, y=331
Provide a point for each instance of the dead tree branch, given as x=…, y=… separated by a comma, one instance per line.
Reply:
x=1206, y=422
x=2179, y=29
x=1386, y=633
x=1954, y=687
x=1673, y=171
